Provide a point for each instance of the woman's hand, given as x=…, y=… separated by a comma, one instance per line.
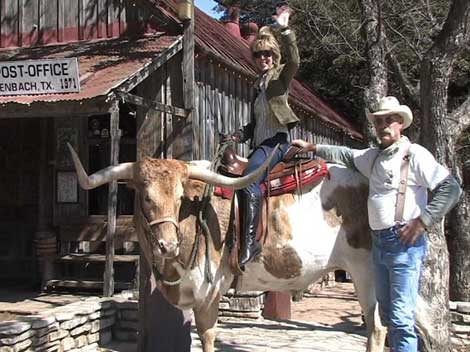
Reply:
x=236, y=137
x=282, y=16
x=306, y=146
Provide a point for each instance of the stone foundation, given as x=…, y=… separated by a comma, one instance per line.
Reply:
x=460, y=329
x=92, y=322
x=127, y=322
x=78, y=327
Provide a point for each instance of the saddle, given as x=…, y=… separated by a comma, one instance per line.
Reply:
x=291, y=174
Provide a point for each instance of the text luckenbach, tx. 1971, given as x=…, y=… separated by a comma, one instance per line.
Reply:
x=48, y=76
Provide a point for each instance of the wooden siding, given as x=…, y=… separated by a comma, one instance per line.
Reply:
x=36, y=22
x=223, y=105
x=161, y=134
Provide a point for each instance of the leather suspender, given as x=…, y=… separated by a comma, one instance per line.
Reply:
x=405, y=166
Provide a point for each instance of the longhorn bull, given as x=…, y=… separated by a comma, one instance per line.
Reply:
x=310, y=234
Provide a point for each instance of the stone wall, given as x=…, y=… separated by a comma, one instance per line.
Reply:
x=80, y=326
x=127, y=321
x=92, y=322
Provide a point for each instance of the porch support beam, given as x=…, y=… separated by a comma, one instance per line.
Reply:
x=115, y=133
x=139, y=101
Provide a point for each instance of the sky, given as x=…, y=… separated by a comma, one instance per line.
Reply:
x=206, y=6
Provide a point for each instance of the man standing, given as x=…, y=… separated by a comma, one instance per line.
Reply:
x=400, y=174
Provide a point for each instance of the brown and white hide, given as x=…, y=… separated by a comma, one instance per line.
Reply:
x=310, y=234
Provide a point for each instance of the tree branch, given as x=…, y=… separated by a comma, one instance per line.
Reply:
x=455, y=33
x=411, y=46
x=461, y=117
x=408, y=88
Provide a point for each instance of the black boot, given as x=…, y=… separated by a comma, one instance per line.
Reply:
x=251, y=205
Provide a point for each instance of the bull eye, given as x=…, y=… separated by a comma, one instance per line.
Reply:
x=147, y=198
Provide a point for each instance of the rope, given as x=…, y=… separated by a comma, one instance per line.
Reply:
x=206, y=198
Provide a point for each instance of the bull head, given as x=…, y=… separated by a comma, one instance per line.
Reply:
x=160, y=188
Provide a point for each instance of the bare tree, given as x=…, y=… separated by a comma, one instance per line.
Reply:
x=442, y=130
x=410, y=49
x=359, y=50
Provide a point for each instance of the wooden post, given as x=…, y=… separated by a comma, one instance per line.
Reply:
x=188, y=75
x=277, y=306
x=115, y=133
x=45, y=235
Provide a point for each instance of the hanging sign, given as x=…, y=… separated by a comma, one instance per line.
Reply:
x=39, y=77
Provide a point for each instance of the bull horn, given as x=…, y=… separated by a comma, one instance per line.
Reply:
x=103, y=176
x=216, y=179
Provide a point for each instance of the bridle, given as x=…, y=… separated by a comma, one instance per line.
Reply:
x=202, y=227
x=163, y=220
x=149, y=234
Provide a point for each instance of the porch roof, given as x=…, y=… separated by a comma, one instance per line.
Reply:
x=104, y=65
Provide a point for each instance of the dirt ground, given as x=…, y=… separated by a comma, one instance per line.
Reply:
x=334, y=306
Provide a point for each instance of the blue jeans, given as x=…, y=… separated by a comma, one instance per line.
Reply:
x=259, y=156
x=397, y=270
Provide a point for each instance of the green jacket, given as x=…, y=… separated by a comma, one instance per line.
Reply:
x=277, y=90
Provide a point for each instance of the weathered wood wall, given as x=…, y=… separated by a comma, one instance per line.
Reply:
x=223, y=105
x=161, y=134
x=33, y=22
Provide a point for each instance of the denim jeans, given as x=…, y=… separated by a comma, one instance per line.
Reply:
x=259, y=156
x=397, y=270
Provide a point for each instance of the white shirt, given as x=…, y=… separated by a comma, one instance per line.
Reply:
x=382, y=168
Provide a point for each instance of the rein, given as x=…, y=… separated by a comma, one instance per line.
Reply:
x=206, y=198
x=150, y=236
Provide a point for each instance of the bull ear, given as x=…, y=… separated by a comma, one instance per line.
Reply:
x=103, y=176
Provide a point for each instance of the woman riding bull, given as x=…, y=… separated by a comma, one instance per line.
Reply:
x=271, y=119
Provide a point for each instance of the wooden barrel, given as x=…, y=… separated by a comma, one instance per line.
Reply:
x=45, y=244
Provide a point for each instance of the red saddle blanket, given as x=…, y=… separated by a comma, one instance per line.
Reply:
x=285, y=184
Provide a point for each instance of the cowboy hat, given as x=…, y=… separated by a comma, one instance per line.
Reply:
x=391, y=106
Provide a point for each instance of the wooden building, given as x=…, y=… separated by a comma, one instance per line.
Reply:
x=134, y=73
x=124, y=53
x=224, y=77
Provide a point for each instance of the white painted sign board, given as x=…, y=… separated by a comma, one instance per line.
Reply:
x=48, y=76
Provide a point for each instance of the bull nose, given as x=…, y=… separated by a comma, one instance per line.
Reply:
x=167, y=248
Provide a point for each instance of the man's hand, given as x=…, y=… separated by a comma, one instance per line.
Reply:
x=282, y=16
x=306, y=146
x=410, y=233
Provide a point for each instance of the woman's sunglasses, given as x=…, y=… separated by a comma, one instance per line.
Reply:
x=261, y=53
